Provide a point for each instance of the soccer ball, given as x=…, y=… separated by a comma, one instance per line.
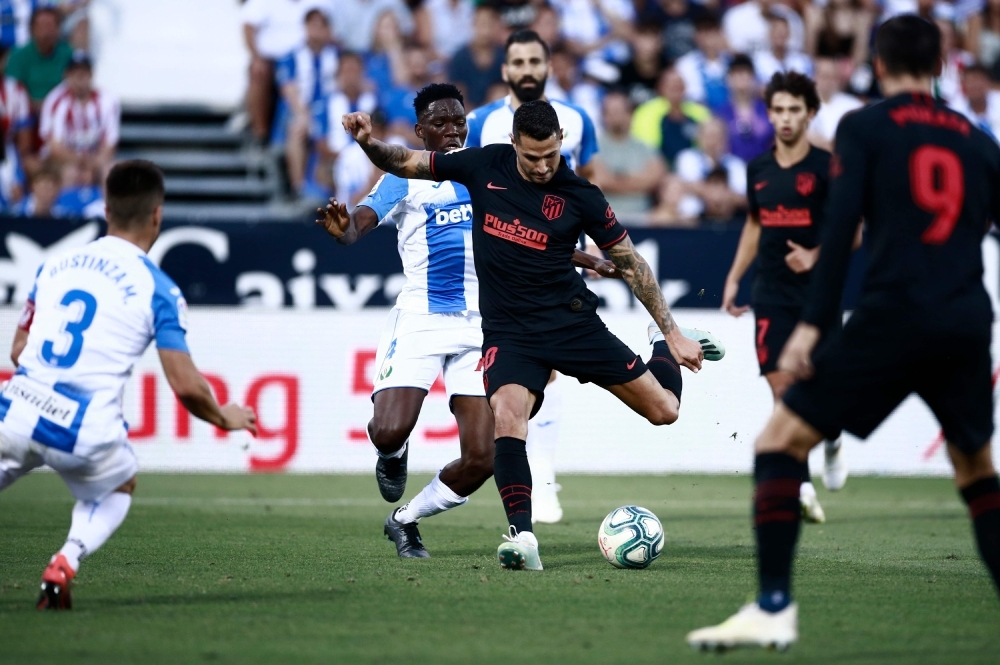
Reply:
x=630, y=537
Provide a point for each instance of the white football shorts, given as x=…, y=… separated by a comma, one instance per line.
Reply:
x=415, y=348
x=91, y=478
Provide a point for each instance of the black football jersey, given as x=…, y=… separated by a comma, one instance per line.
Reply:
x=927, y=183
x=789, y=202
x=523, y=237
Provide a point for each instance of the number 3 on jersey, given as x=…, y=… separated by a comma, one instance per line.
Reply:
x=937, y=182
x=74, y=329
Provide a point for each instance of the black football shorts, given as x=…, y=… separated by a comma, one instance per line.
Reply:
x=775, y=324
x=588, y=352
x=878, y=359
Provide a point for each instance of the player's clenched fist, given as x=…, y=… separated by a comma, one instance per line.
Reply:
x=237, y=417
x=334, y=218
x=359, y=125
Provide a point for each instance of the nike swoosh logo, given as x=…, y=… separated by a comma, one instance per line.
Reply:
x=632, y=364
x=490, y=185
x=760, y=185
x=518, y=503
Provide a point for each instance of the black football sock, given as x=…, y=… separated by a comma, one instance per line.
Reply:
x=513, y=477
x=777, y=477
x=665, y=369
x=983, y=499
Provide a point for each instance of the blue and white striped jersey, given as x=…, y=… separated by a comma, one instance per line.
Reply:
x=96, y=309
x=434, y=220
x=492, y=124
x=315, y=74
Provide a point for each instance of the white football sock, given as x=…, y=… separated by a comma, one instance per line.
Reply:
x=807, y=489
x=543, y=437
x=93, y=523
x=833, y=445
x=398, y=453
x=435, y=498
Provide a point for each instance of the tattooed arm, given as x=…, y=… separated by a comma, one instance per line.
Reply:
x=639, y=276
x=395, y=159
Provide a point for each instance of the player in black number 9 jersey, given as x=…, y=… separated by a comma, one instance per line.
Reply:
x=529, y=210
x=787, y=191
x=928, y=184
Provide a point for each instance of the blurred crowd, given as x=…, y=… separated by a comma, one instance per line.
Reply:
x=59, y=132
x=673, y=86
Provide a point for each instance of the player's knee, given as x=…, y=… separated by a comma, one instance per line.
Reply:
x=388, y=436
x=663, y=414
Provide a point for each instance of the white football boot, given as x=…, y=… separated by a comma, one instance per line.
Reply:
x=711, y=346
x=519, y=552
x=751, y=626
x=812, y=512
x=834, y=465
x=545, y=507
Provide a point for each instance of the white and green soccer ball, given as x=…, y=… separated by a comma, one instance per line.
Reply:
x=630, y=537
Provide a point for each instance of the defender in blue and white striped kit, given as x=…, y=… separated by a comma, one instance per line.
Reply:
x=90, y=316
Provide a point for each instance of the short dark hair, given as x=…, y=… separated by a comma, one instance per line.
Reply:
x=796, y=85
x=908, y=44
x=316, y=12
x=741, y=61
x=44, y=9
x=537, y=120
x=133, y=190
x=433, y=93
x=707, y=23
x=526, y=36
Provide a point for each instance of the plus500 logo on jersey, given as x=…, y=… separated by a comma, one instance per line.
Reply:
x=454, y=214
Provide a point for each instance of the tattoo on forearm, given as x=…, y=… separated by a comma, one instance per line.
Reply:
x=639, y=276
x=392, y=159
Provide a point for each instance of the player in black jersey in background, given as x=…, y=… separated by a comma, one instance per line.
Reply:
x=529, y=209
x=786, y=190
x=927, y=184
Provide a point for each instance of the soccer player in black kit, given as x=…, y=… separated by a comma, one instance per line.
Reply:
x=529, y=209
x=786, y=190
x=927, y=183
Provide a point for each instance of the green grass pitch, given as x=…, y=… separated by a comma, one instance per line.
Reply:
x=280, y=569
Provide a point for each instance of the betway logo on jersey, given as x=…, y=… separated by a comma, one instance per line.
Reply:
x=454, y=214
x=515, y=232
x=783, y=216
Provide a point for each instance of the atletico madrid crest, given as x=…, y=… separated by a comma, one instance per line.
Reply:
x=552, y=207
x=805, y=183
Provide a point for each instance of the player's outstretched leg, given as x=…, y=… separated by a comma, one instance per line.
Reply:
x=452, y=486
x=396, y=412
x=543, y=439
x=977, y=482
x=772, y=621
x=834, y=465
x=93, y=523
x=512, y=405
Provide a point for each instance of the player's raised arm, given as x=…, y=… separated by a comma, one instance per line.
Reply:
x=194, y=393
x=639, y=276
x=395, y=159
x=746, y=252
x=346, y=227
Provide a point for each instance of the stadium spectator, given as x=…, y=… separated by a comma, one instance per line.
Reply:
x=84, y=124
x=949, y=84
x=271, y=29
x=451, y=25
x=547, y=24
x=988, y=38
x=627, y=170
x=639, y=74
x=476, y=66
x=385, y=62
x=15, y=19
x=980, y=104
x=75, y=22
x=580, y=83
x=45, y=187
x=746, y=28
x=667, y=210
x=355, y=21
x=745, y=114
x=397, y=101
x=514, y=14
x=834, y=104
x=716, y=194
x=39, y=64
x=680, y=125
x=647, y=121
x=595, y=26
x=677, y=21
x=307, y=78
x=779, y=57
x=704, y=69
x=694, y=165
x=840, y=29
x=16, y=130
x=353, y=94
